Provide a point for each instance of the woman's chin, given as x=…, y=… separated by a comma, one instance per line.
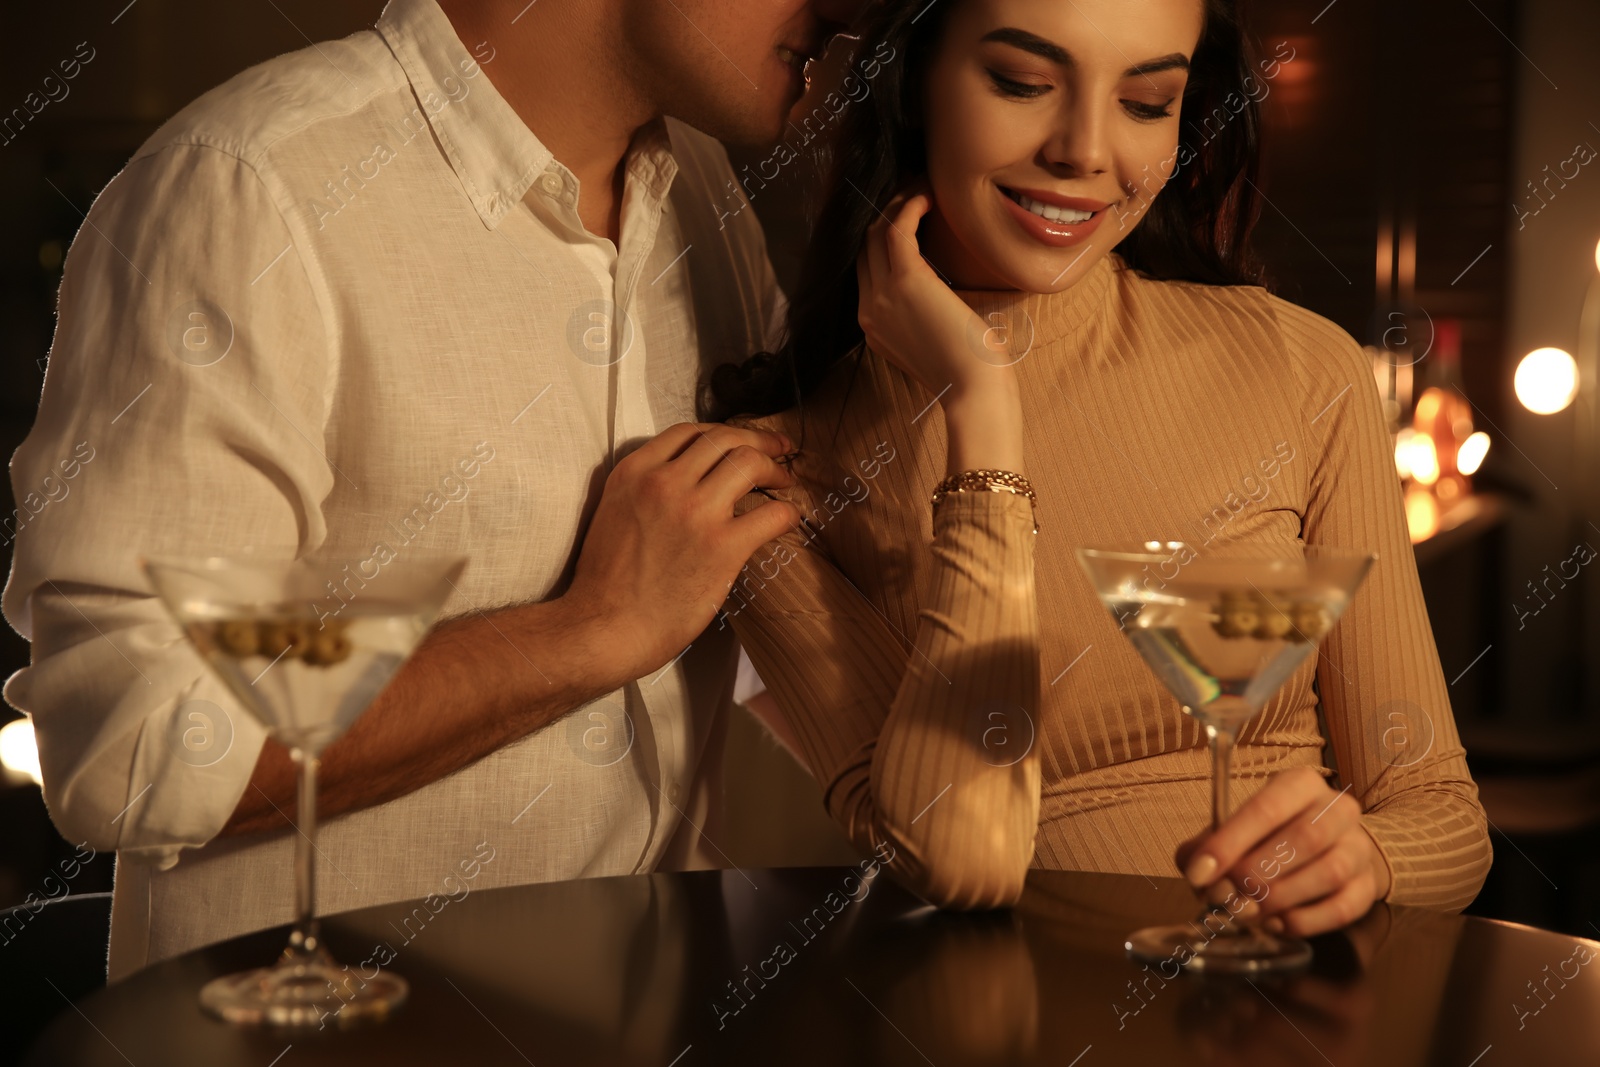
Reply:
x=1028, y=270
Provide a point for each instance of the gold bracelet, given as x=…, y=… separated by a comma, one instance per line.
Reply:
x=991, y=480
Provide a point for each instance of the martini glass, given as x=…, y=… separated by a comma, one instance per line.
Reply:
x=305, y=645
x=1224, y=629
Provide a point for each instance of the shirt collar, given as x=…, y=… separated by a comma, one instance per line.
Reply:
x=492, y=151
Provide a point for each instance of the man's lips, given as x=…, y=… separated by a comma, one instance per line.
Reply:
x=798, y=55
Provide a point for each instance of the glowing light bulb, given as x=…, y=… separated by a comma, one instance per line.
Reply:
x=1473, y=449
x=18, y=750
x=1546, y=380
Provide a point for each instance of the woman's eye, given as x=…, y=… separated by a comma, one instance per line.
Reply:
x=1149, y=112
x=1011, y=87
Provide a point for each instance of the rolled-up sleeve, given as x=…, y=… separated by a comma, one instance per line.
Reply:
x=183, y=411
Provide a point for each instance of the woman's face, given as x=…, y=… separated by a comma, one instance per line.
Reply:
x=1035, y=108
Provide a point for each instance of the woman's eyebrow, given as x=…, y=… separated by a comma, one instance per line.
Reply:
x=1032, y=42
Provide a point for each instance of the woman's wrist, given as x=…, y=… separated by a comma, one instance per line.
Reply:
x=983, y=427
x=1382, y=877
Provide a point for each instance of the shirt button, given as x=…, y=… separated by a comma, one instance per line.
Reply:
x=552, y=183
x=675, y=792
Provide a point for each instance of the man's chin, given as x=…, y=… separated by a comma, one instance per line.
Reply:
x=757, y=131
x=750, y=129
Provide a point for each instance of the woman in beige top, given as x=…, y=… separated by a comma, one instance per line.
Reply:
x=1148, y=392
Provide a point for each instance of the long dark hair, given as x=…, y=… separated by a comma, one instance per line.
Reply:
x=1197, y=229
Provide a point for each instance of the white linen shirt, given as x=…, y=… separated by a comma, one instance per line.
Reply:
x=309, y=306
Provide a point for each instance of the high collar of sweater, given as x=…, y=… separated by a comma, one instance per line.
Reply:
x=1022, y=320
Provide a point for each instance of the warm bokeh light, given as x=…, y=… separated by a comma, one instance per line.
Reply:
x=1597, y=255
x=18, y=752
x=1547, y=380
x=1422, y=514
x=1402, y=451
x=1427, y=407
x=1423, y=459
x=1473, y=449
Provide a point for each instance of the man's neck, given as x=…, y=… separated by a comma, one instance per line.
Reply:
x=557, y=69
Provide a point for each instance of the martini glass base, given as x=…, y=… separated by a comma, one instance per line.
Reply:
x=302, y=992
x=1237, y=950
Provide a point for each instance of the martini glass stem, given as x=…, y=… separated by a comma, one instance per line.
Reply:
x=305, y=941
x=1222, y=740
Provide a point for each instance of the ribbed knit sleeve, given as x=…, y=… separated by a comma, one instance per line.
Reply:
x=1383, y=692
x=921, y=738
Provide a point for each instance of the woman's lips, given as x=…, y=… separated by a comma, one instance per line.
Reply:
x=1054, y=234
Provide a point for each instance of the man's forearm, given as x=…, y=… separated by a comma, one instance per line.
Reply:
x=475, y=684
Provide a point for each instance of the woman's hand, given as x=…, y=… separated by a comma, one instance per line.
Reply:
x=1298, y=849
x=912, y=319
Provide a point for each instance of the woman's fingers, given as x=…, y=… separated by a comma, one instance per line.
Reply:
x=1331, y=912
x=878, y=252
x=904, y=252
x=1317, y=829
x=1298, y=848
x=1263, y=817
x=1316, y=877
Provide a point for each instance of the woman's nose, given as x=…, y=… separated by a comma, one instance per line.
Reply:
x=1078, y=142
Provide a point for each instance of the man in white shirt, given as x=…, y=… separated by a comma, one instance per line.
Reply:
x=313, y=302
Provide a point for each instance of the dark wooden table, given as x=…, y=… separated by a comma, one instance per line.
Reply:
x=811, y=967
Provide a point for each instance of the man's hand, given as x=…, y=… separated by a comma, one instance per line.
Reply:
x=1298, y=849
x=654, y=569
x=664, y=547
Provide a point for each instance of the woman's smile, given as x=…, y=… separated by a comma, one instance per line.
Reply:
x=1052, y=219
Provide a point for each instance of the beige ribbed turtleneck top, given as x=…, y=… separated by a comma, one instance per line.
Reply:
x=901, y=643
